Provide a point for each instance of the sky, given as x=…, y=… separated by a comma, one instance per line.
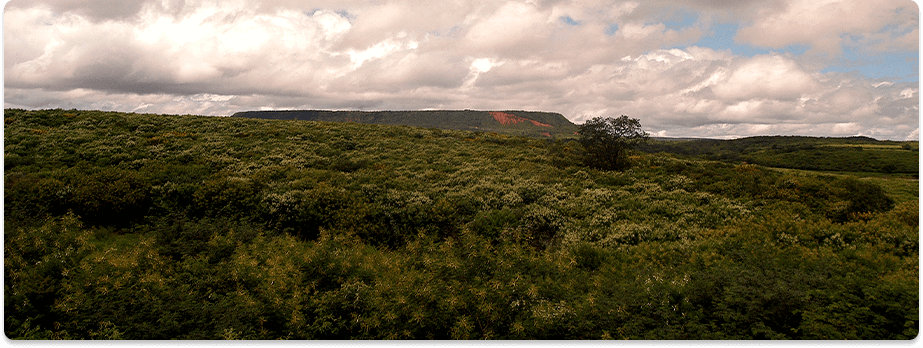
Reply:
x=685, y=68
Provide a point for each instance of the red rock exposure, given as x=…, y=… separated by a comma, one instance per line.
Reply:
x=510, y=119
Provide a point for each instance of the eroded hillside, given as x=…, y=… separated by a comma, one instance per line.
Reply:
x=525, y=123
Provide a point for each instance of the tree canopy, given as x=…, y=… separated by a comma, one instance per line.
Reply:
x=609, y=140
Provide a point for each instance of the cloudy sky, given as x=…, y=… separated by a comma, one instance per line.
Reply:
x=703, y=68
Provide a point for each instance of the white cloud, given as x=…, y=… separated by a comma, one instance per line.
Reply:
x=379, y=50
x=639, y=31
x=512, y=28
x=770, y=77
x=915, y=135
x=825, y=25
x=216, y=58
x=333, y=25
x=482, y=65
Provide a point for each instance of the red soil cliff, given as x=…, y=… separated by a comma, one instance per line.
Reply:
x=509, y=119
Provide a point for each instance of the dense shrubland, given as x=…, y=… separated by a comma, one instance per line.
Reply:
x=126, y=226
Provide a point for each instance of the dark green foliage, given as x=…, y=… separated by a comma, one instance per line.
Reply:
x=563, y=154
x=492, y=224
x=38, y=262
x=229, y=197
x=29, y=197
x=178, y=237
x=608, y=141
x=125, y=226
x=837, y=198
x=111, y=196
x=589, y=257
x=863, y=198
x=349, y=166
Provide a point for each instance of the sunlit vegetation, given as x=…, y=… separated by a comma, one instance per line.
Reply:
x=130, y=226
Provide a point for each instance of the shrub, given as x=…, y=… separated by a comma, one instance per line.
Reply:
x=110, y=197
x=541, y=224
x=863, y=197
x=180, y=237
x=607, y=141
x=588, y=256
x=491, y=224
x=27, y=197
x=36, y=262
x=230, y=197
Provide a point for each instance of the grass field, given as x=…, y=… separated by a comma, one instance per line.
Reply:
x=903, y=145
x=858, y=155
x=902, y=188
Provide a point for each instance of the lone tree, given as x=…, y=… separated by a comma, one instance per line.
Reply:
x=607, y=141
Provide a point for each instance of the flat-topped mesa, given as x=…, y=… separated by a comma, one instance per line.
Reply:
x=512, y=122
x=510, y=119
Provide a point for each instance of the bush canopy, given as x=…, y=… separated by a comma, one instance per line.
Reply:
x=608, y=141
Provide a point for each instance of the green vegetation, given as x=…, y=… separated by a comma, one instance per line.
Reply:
x=853, y=154
x=607, y=142
x=130, y=226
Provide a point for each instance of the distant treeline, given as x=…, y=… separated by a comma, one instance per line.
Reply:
x=472, y=120
x=848, y=154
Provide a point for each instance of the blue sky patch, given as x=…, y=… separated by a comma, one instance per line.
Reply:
x=681, y=20
x=569, y=21
x=723, y=39
x=894, y=66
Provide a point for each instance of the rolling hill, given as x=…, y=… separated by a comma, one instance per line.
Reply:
x=527, y=123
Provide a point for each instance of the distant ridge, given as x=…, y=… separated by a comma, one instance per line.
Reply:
x=526, y=123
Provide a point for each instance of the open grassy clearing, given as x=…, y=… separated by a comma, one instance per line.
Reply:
x=898, y=146
x=867, y=146
x=857, y=154
x=902, y=188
